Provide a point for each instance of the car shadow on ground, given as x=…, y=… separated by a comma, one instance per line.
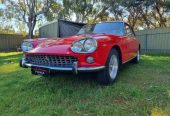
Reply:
x=71, y=80
x=61, y=79
x=68, y=76
x=69, y=84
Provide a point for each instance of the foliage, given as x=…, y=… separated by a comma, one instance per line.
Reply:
x=140, y=13
x=81, y=9
x=143, y=14
x=27, y=11
x=55, y=11
x=7, y=30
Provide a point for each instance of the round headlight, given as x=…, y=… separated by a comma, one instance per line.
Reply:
x=26, y=46
x=87, y=45
x=77, y=47
x=90, y=45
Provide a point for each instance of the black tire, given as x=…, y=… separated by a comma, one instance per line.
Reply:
x=137, y=58
x=104, y=77
x=20, y=63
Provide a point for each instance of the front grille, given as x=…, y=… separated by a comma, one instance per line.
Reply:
x=51, y=60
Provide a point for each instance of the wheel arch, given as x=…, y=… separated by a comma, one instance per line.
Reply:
x=119, y=52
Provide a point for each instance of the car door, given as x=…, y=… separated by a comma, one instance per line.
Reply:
x=132, y=42
x=125, y=41
x=135, y=44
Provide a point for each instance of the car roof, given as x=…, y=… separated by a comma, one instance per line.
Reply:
x=112, y=22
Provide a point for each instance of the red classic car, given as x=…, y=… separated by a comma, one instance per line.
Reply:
x=101, y=47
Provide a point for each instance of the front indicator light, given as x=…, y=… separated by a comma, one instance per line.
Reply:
x=90, y=60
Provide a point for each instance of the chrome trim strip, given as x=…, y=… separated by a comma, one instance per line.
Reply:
x=128, y=60
x=81, y=69
x=75, y=67
x=91, y=69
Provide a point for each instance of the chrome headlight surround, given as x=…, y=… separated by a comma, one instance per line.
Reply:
x=86, y=45
x=26, y=46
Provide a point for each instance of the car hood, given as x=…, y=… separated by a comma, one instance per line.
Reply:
x=35, y=42
x=62, y=45
x=69, y=40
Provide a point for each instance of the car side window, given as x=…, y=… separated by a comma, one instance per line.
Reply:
x=129, y=31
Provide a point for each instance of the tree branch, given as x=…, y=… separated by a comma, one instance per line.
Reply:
x=45, y=9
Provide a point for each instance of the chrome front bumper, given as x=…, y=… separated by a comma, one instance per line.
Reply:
x=74, y=69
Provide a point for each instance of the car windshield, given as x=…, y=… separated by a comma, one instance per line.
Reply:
x=115, y=28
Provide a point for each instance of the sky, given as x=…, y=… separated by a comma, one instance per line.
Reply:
x=2, y=6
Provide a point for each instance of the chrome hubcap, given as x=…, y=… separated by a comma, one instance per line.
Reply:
x=113, y=66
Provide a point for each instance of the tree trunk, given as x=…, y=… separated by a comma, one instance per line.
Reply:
x=31, y=25
x=30, y=34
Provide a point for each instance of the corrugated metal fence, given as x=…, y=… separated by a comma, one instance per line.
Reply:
x=155, y=40
x=10, y=42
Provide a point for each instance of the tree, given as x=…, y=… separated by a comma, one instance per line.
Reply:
x=7, y=30
x=113, y=6
x=153, y=13
x=55, y=12
x=132, y=10
x=160, y=10
x=166, y=3
x=82, y=9
x=27, y=11
x=1, y=15
x=101, y=11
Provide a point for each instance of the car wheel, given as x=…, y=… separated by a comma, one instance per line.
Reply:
x=137, y=58
x=20, y=63
x=109, y=74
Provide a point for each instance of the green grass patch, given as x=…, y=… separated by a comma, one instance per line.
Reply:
x=141, y=89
